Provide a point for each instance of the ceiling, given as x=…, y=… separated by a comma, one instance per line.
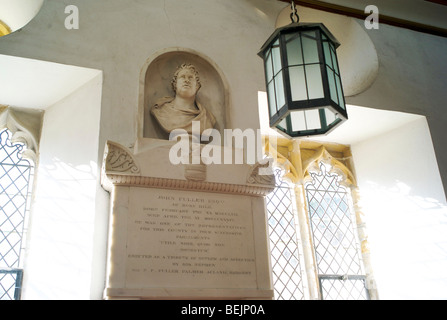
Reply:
x=423, y=15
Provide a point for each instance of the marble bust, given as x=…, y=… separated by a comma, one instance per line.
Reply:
x=179, y=111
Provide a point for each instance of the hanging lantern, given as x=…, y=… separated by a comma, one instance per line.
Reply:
x=305, y=94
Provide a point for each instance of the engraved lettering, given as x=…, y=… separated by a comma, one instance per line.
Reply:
x=176, y=236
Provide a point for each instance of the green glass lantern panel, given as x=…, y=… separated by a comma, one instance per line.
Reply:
x=332, y=85
x=279, y=87
x=297, y=83
x=268, y=67
x=314, y=81
x=297, y=120
x=330, y=116
x=310, y=47
x=271, y=98
x=276, y=56
x=327, y=54
x=282, y=125
x=305, y=120
x=312, y=119
x=341, y=101
x=334, y=59
x=293, y=47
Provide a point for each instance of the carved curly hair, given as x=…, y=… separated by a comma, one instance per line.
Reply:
x=182, y=67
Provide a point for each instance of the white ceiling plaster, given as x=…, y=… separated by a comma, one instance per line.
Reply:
x=419, y=11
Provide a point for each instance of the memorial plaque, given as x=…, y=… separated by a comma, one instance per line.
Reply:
x=189, y=239
x=173, y=235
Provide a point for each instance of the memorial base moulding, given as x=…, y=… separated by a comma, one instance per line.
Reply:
x=184, y=231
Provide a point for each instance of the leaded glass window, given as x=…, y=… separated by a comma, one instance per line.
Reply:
x=16, y=176
x=284, y=241
x=339, y=266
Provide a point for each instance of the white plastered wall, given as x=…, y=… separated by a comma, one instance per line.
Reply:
x=60, y=255
x=406, y=212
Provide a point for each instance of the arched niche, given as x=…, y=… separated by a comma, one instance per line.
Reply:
x=155, y=83
x=357, y=55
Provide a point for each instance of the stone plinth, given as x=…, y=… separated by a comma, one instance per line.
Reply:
x=184, y=231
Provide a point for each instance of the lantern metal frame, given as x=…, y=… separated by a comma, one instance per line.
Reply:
x=281, y=119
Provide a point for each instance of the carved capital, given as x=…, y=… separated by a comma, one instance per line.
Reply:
x=25, y=126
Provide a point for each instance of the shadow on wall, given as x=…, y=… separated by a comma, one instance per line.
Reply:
x=406, y=212
x=61, y=232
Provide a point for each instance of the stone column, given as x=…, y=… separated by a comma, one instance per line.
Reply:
x=306, y=238
x=363, y=238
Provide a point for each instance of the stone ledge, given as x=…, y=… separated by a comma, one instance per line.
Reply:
x=177, y=184
x=188, y=293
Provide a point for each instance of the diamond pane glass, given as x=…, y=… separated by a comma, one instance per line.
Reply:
x=284, y=242
x=10, y=284
x=15, y=178
x=334, y=234
x=343, y=289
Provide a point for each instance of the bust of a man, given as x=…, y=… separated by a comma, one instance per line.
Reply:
x=180, y=111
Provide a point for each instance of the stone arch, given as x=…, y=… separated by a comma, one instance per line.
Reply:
x=337, y=167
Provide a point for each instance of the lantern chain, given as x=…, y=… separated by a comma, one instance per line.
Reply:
x=294, y=14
